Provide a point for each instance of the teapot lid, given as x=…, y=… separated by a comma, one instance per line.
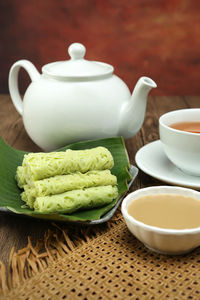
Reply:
x=77, y=67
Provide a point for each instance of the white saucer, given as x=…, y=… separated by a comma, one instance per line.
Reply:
x=152, y=160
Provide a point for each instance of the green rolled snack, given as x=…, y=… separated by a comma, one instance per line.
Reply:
x=74, y=200
x=28, y=196
x=21, y=177
x=63, y=183
x=44, y=165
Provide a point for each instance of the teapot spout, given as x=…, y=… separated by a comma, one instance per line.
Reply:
x=133, y=112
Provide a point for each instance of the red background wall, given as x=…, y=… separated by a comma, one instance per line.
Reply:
x=157, y=38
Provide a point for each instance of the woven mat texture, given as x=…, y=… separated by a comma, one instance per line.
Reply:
x=114, y=265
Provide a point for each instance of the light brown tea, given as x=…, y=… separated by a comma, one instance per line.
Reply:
x=169, y=211
x=187, y=126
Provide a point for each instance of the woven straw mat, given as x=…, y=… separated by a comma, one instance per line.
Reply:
x=114, y=265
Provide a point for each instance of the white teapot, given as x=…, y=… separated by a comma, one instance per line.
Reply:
x=76, y=100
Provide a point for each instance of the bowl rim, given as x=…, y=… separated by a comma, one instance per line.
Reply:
x=149, y=190
x=178, y=111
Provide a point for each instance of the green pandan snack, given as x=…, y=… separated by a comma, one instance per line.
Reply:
x=63, y=183
x=44, y=165
x=20, y=177
x=71, y=201
x=67, y=181
x=29, y=196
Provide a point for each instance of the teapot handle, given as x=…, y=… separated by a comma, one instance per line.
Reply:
x=13, y=81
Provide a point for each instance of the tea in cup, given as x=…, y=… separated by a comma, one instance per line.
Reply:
x=180, y=135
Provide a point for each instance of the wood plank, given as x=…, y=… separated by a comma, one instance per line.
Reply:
x=192, y=101
x=12, y=128
x=166, y=104
x=14, y=232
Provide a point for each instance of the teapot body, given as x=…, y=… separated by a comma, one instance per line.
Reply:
x=77, y=100
x=56, y=112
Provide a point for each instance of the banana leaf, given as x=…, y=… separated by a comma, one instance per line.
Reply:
x=10, y=198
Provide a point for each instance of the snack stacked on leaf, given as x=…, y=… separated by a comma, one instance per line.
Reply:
x=67, y=181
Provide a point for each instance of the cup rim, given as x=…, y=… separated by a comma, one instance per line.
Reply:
x=161, y=122
x=150, y=190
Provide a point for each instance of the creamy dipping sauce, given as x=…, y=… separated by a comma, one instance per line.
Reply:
x=187, y=126
x=169, y=211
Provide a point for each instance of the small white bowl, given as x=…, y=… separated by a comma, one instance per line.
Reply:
x=165, y=241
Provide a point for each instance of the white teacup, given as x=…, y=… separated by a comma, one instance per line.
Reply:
x=181, y=147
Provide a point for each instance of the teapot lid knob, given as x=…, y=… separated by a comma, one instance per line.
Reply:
x=76, y=51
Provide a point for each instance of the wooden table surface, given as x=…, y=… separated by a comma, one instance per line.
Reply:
x=14, y=230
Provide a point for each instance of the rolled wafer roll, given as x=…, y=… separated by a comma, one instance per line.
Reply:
x=28, y=196
x=20, y=177
x=74, y=200
x=63, y=183
x=44, y=165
